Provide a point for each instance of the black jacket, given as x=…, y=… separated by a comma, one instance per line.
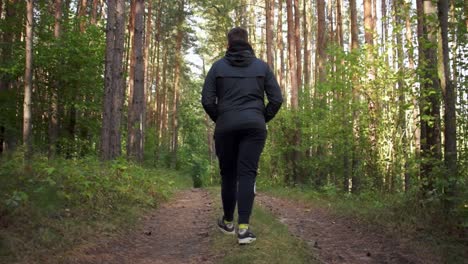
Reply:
x=234, y=91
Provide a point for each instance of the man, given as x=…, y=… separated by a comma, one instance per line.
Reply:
x=233, y=96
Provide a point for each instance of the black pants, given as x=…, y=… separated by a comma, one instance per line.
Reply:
x=238, y=154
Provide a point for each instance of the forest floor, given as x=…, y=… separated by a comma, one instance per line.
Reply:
x=183, y=231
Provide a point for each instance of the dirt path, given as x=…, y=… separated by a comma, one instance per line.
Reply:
x=177, y=232
x=336, y=239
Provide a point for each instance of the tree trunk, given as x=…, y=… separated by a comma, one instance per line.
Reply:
x=280, y=47
x=136, y=110
x=297, y=36
x=339, y=24
x=94, y=12
x=355, y=154
x=415, y=114
x=269, y=31
x=27, y=125
x=113, y=82
x=320, y=56
x=430, y=88
x=148, y=39
x=448, y=92
x=82, y=14
x=53, y=118
x=131, y=54
x=368, y=23
x=175, y=103
x=305, y=30
x=354, y=25
x=292, y=56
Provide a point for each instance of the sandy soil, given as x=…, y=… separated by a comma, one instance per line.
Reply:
x=335, y=239
x=180, y=231
x=177, y=232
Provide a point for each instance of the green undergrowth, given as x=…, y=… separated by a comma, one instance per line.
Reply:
x=274, y=243
x=52, y=205
x=402, y=214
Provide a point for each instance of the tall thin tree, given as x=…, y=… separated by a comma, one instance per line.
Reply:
x=27, y=112
x=136, y=122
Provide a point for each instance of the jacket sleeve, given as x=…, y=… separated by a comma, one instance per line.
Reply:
x=209, y=99
x=273, y=92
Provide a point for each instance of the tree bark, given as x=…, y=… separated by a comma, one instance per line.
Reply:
x=131, y=54
x=292, y=56
x=113, y=82
x=339, y=24
x=297, y=36
x=368, y=23
x=136, y=112
x=280, y=47
x=269, y=10
x=354, y=25
x=448, y=92
x=148, y=39
x=175, y=102
x=320, y=55
x=430, y=88
x=53, y=118
x=355, y=154
x=27, y=119
x=94, y=12
x=307, y=56
x=82, y=14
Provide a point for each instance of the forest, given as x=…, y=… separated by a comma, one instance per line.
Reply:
x=97, y=97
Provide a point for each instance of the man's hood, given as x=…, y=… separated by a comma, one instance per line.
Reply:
x=240, y=54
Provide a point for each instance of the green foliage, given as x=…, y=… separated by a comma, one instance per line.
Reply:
x=193, y=153
x=53, y=202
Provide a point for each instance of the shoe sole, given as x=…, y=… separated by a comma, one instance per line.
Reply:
x=233, y=232
x=247, y=240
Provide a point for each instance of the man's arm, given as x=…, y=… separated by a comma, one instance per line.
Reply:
x=273, y=92
x=209, y=95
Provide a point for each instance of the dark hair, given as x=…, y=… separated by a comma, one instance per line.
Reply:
x=237, y=34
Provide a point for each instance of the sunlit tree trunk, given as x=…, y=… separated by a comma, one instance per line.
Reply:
x=94, y=12
x=131, y=53
x=27, y=118
x=82, y=14
x=147, y=70
x=368, y=23
x=136, y=111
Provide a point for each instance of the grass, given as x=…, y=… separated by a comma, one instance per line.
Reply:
x=274, y=242
x=396, y=213
x=52, y=206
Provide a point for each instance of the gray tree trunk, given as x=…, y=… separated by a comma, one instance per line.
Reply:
x=113, y=83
